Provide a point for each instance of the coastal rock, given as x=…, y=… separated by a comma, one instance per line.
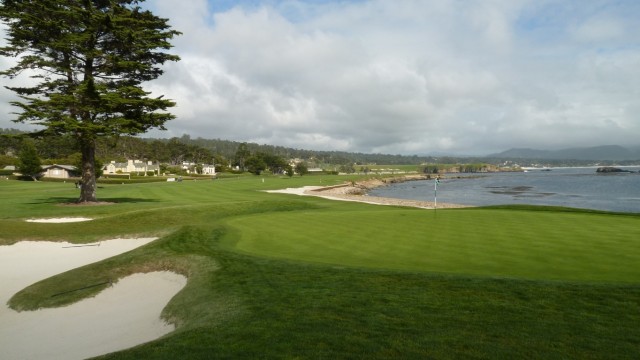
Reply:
x=611, y=169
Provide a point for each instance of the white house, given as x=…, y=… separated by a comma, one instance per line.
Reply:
x=131, y=166
x=209, y=170
x=191, y=167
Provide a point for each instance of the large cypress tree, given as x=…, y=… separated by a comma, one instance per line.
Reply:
x=89, y=59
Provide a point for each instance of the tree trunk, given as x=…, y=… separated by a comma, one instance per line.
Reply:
x=88, y=181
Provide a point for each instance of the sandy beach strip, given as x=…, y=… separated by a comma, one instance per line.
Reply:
x=353, y=192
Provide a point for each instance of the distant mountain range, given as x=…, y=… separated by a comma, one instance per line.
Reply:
x=605, y=152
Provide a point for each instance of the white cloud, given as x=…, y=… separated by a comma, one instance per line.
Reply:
x=408, y=76
x=598, y=30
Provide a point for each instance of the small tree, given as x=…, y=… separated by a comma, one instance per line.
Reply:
x=289, y=170
x=29, y=163
x=255, y=165
x=221, y=163
x=274, y=163
x=347, y=168
x=301, y=168
x=89, y=59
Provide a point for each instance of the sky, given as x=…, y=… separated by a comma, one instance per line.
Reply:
x=412, y=77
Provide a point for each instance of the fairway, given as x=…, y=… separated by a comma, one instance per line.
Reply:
x=479, y=242
x=285, y=276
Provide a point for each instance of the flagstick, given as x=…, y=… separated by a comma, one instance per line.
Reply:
x=435, y=195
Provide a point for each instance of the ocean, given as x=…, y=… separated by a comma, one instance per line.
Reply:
x=570, y=187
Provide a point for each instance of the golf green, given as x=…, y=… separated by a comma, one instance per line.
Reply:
x=524, y=244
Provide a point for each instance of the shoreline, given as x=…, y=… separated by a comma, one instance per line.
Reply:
x=357, y=191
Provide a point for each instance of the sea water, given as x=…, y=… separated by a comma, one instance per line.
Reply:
x=570, y=187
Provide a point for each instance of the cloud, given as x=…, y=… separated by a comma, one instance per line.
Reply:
x=409, y=76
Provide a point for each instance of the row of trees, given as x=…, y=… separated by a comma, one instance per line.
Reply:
x=171, y=152
x=462, y=168
x=259, y=162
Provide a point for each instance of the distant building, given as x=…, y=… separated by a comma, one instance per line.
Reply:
x=191, y=167
x=59, y=171
x=131, y=166
x=209, y=170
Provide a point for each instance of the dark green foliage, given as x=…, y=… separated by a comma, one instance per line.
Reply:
x=472, y=168
x=7, y=161
x=255, y=165
x=10, y=142
x=90, y=59
x=452, y=167
x=29, y=163
x=302, y=169
x=274, y=163
x=430, y=169
x=57, y=147
x=347, y=168
x=241, y=155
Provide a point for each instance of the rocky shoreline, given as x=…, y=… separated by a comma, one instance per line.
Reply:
x=357, y=191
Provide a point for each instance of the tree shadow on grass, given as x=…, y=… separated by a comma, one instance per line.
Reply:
x=129, y=200
x=101, y=201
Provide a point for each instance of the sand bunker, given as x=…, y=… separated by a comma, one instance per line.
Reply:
x=120, y=317
x=59, y=220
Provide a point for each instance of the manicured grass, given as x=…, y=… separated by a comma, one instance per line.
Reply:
x=283, y=276
x=137, y=209
x=540, y=245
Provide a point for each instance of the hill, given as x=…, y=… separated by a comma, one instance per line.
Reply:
x=175, y=150
x=604, y=152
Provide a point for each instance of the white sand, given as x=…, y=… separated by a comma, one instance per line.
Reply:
x=344, y=194
x=309, y=191
x=295, y=191
x=59, y=220
x=120, y=317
